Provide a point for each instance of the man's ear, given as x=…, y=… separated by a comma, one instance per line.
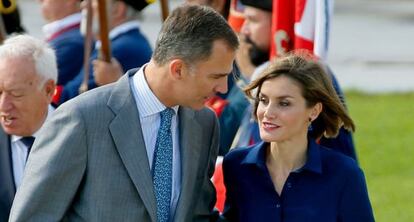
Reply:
x=176, y=68
x=49, y=88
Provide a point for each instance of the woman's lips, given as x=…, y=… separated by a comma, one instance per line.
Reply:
x=270, y=126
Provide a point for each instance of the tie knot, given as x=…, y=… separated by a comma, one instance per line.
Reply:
x=166, y=116
x=28, y=141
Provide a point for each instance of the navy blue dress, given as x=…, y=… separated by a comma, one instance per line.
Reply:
x=330, y=187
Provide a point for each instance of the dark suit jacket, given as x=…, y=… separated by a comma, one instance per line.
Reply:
x=90, y=163
x=7, y=187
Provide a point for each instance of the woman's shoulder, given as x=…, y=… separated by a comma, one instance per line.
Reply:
x=335, y=161
x=238, y=154
x=235, y=161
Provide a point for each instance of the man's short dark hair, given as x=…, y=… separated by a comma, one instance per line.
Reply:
x=189, y=33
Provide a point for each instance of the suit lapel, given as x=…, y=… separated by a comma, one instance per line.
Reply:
x=7, y=187
x=126, y=132
x=190, y=132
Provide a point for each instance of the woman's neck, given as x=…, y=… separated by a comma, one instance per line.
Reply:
x=284, y=157
x=287, y=155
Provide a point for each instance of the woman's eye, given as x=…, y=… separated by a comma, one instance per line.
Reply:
x=284, y=103
x=262, y=99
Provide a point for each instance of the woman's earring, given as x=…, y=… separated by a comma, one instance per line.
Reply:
x=310, y=124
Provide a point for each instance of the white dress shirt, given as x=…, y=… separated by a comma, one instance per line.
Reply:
x=150, y=107
x=19, y=152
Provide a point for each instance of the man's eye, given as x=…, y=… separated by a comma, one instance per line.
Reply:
x=17, y=95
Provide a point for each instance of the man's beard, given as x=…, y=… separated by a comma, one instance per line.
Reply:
x=257, y=56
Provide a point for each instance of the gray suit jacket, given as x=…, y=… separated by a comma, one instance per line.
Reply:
x=90, y=164
x=7, y=187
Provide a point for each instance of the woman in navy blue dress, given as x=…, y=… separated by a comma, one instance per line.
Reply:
x=289, y=177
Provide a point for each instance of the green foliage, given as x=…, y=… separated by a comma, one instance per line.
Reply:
x=384, y=140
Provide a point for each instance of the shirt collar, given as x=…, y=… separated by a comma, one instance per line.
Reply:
x=50, y=110
x=257, y=156
x=119, y=30
x=150, y=104
x=123, y=28
x=314, y=160
x=51, y=28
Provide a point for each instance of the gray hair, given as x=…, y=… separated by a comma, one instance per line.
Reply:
x=189, y=33
x=43, y=56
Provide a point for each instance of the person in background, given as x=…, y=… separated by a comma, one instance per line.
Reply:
x=10, y=15
x=28, y=75
x=221, y=6
x=143, y=148
x=288, y=176
x=129, y=46
x=62, y=32
x=253, y=57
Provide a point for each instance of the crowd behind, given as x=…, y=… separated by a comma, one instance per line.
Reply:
x=274, y=143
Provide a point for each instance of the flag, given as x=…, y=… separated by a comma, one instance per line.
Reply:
x=301, y=24
x=236, y=17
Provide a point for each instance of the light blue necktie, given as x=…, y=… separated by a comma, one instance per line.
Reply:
x=162, y=166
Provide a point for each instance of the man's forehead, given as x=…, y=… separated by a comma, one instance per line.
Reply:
x=254, y=12
x=17, y=82
x=18, y=78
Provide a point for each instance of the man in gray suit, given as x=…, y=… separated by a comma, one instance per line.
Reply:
x=142, y=148
x=28, y=73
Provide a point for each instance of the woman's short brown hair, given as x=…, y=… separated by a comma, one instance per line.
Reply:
x=316, y=87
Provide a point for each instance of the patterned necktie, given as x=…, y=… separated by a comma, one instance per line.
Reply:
x=28, y=142
x=162, y=166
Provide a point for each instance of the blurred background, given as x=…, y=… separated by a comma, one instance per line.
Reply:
x=369, y=40
x=372, y=54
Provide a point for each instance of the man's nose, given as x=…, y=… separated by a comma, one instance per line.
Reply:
x=222, y=87
x=244, y=30
x=5, y=103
